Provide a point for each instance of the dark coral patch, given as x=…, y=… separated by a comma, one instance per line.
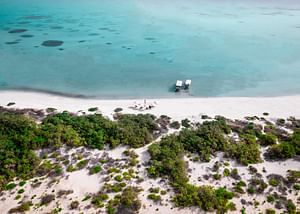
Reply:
x=104, y=28
x=26, y=36
x=36, y=17
x=23, y=23
x=150, y=38
x=11, y=43
x=17, y=31
x=56, y=27
x=94, y=34
x=52, y=43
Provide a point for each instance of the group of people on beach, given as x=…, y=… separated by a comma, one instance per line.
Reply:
x=144, y=106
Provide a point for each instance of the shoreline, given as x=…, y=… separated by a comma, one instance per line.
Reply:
x=176, y=108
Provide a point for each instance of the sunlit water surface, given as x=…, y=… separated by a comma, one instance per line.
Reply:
x=139, y=48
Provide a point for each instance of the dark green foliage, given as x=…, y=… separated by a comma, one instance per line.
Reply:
x=81, y=164
x=95, y=169
x=270, y=198
x=154, y=197
x=25, y=206
x=283, y=150
x=175, y=125
x=239, y=187
x=296, y=186
x=99, y=198
x=206, y=197
x=117, y=110
x=93, y=109
x=50, y=110
x=287, y=149
x=290, y=207
x=293, y=176
x=10, y=186
x=167, y=160
x=256, y=186
x=267, y=139
x=129, y=202
x=270, y=211
x=136, y=130
x=17, y=134
x=207, y=139
x=22, y=183
x=154, y=190
x=186, y=123
x=95, y=130
x=244, y=153
x=10, y=104
x=274, y=182
x=20, y=191
x=55, y=136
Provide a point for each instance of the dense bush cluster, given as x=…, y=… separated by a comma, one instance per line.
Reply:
x=245, y=153
x=206, y=139
x=20, y=136
x=286, y=149
x=167, y=161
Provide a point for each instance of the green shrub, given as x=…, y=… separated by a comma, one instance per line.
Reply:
x=283, y=150
x=175, y=125
x=10, y=186
x=251, y=190
x=226, y=172
x=217, y=176
x=82, y=164
x=154, y=190
x=154, y=197
x=290, y=207
x=274, y=182
x=20, y=191
x=22, y=183
x=93, y=109
x=186, y=123
x=18, y=197
x=71, y=168
x=163, y=192
x=119, y=178
x=95, y=169
x=98, y=199
x=270, y=198
x=270, y=211
x=129, y=201
x=296, y=186
x=267, y=139
x=244, y=153
x=117, y=110
x=24, y=207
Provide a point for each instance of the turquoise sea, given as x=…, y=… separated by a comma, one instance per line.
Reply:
x=139, y=48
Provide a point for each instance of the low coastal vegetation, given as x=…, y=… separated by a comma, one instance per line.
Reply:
x=29, y=148
x=20, y=136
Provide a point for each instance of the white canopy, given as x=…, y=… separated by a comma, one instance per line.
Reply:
x=178, y=83
x=188, y=82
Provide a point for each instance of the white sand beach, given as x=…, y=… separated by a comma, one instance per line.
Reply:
x=177, y=108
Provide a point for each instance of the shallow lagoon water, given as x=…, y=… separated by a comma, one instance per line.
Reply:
x=139, y=48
